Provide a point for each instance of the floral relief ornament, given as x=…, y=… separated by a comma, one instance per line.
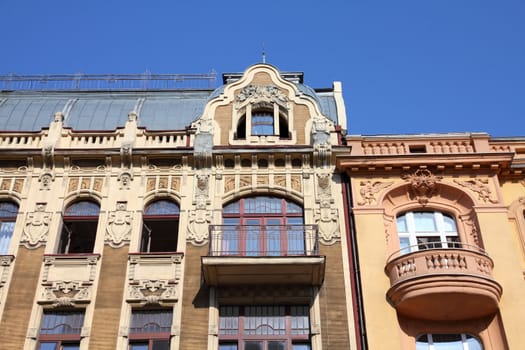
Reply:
x=119, y=225
x=479, y=186
x=369, y=190
x=36, y=227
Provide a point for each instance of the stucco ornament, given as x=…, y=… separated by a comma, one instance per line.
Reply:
x=256, y=93
x=327, y=220
x=125, y=179
x=119, y=226
x=37, y=227
x=148, y=292
x=369, y=190
x=479, y=186
x=66, y=294
x=45, y=180
x=326, y=216
x=423, y=185
x=200, y=217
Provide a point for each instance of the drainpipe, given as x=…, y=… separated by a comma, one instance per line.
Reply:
x=359, y=315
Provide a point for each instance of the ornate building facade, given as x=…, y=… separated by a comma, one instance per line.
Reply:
x=436, y=223
x=168, y=218
x=139, y=215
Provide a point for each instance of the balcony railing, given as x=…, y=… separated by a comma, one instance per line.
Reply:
x=442, y=280
x=264, y=240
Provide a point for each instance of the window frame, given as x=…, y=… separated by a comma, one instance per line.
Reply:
x=256, y=236
x=76, y=225
x=429, y=343
x=239, y=339
x=7, y=236
x=159, y=219
x=61, y=339
x=137, y=338
x=412, y=239
x=247, y=124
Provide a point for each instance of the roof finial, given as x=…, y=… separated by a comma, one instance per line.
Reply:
x=263, y=54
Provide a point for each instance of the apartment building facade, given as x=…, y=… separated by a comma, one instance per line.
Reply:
x=158, y=217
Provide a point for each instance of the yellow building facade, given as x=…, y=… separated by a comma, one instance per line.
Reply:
x=438, y=226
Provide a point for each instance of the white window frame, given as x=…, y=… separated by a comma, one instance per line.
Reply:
x=412, y=234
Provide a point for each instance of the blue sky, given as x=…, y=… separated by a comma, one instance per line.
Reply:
x=407, y=66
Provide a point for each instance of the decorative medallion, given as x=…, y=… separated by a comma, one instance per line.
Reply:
x=423, y=184
x=45, y=180
x=125, y=179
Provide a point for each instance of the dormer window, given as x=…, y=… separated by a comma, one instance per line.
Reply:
x=262, y=115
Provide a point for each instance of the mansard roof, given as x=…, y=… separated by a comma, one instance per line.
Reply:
x=93, y=109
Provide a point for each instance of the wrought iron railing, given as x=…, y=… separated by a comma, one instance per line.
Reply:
x=264, y=240
x=101, y=82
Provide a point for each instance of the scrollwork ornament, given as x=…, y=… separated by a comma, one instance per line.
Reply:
x=119, y=226
x=423, y=184
x=256, y=93
x=369, y=190
x=37, y=227
x=479, y=186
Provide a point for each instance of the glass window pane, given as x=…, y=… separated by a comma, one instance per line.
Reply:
x=449, y=224
x=424, y=222
x=62, y=323
x=301, y=347
x=8, y=210
x=276, y=345
x=75, y=346
x=402, y=224
x=48, y=346
x=83, y=208
x=227, y=346
x=473, y=343
x=404, y=244
x=147, y=321
x=430, y=242
x=162, y=208
x=253, y=345
x=6, y=232
x=138, y=346
x=161, y=345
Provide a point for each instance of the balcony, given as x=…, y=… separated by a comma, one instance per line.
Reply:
x=453, y=283
x=263, y=254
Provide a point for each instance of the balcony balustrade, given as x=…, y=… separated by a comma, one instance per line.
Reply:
x=453, y=283
x=253, y=254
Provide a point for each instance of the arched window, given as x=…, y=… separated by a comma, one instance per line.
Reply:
x=426, y=230
x=161, y=227
x=8, y=213
x=79, y=228
x=263, y=225
x=263, y=121
x=447, y=342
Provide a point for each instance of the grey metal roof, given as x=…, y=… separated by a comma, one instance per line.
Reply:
x=108, y=110
x=104, y=110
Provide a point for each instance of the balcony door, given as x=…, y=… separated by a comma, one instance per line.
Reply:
x=263, y=226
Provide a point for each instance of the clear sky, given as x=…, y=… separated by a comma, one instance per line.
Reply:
x=407, y=66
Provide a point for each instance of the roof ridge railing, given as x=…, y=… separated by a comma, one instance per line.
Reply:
x=103, y=82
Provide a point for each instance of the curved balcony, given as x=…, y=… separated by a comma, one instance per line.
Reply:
x=443, y=283
x=263, y=254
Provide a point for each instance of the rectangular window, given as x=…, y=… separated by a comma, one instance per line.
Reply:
x=60, y=330
x=264, y=327
x=150, y=329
